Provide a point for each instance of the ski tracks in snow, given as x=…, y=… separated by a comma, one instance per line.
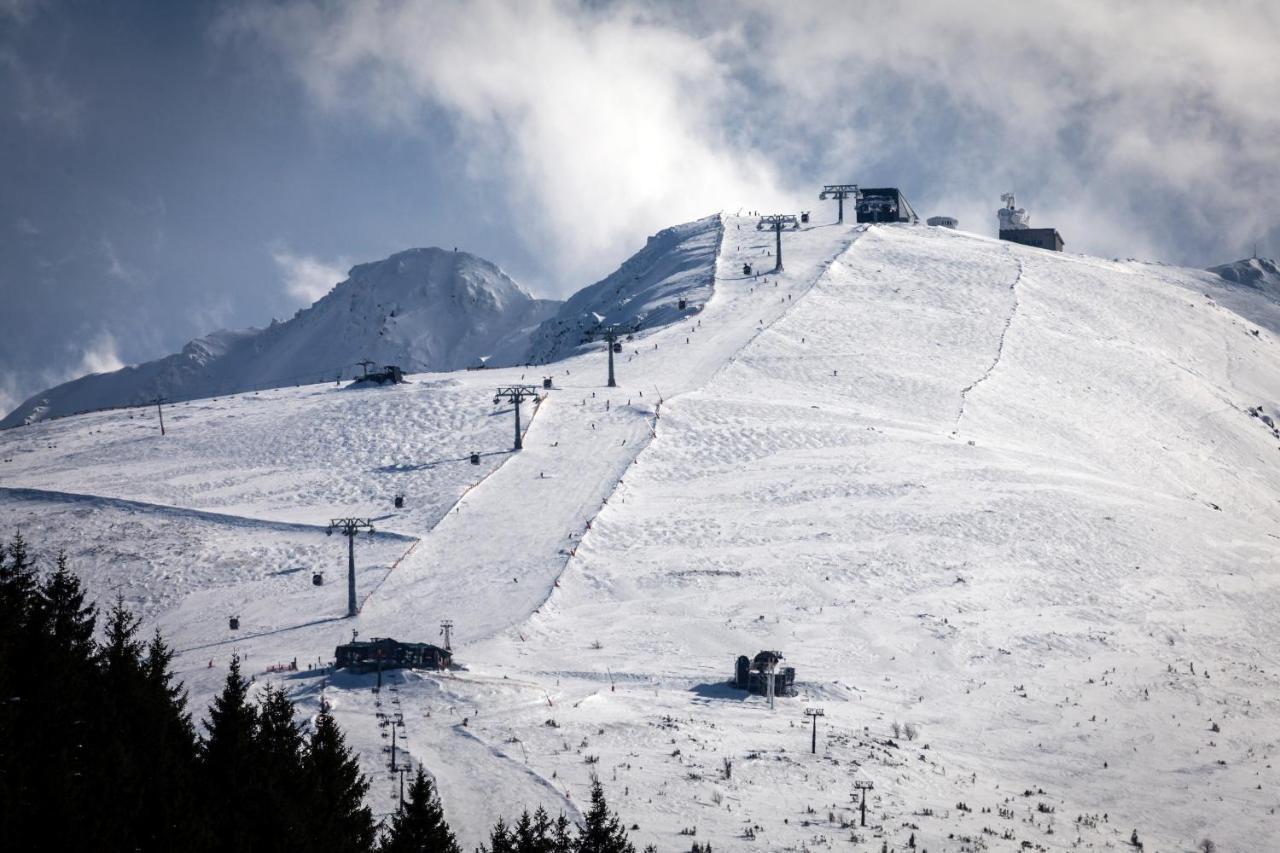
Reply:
x=995, y=362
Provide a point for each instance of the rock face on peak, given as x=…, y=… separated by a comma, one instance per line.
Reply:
x=421, y=309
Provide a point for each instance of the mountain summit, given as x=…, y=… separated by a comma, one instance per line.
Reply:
x=422, y=309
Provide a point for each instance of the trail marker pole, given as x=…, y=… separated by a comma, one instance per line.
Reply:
x=516, y=394
x=776, y=222
x=814, y=713
x=349, y=527
x=839, y=192
x=160, y=412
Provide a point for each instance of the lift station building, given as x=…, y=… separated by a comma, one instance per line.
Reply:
x=885, y=204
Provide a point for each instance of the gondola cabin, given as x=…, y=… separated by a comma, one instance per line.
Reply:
x=885, y=204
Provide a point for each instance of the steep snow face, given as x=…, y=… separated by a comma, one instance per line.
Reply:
x=644, y=293
x=423, y=309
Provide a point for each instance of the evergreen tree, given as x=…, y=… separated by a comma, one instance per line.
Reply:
x=118, y=771
x=501, y=839
x=338, y=820
x=63, y=683
x=420, y=826
x=71, y=622
x=279, y=809
x=18, y=588
x=602, y=832
x=229, y=765
x=533, y=834
x=175, y=814
x=562, y=836
x=120, y=761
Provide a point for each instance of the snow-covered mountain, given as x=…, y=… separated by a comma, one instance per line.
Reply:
x=422, y=309
x=645, y=292
x=1259, y=273
x=1024, y=501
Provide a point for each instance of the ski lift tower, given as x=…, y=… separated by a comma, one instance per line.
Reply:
x=611, y=344
x=778, y=221
x=839, y=192
x=516, y=394
x=349, y=527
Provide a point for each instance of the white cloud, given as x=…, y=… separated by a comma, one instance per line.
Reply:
x=1139, y=124
x=599, y=123
x=10, y=396
x=100, y=356
x=306, y=278
x=1144, y=125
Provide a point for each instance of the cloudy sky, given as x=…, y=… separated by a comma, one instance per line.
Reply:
x=171, y=168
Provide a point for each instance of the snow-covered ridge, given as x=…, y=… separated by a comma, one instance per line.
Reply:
x=422, y=309
x=645, y=292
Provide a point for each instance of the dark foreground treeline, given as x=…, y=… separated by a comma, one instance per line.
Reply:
x=98, y=752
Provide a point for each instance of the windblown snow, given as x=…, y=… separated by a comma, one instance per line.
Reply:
x=1021, y=500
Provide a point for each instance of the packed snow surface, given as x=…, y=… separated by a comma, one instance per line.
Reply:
x=1022, y=501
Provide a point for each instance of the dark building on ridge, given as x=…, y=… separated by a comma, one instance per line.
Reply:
x=753, y=674
x=386, y=653
x=885, y=204
x=1041, y=238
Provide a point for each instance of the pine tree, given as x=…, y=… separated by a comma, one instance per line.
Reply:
x=228, y=762
x=501, y=839
x=280, y=808
x=122, y=754
x=176, y=814
x=65, y=657
x=562, y=836
x=420, y=827
x=602, y=832
x=534, y=834
x=18, y=644
x=71, y=622
x=338, y=820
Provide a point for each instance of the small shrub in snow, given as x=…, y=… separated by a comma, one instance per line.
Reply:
x=910, y=731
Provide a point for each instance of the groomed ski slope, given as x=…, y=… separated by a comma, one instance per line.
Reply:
x=1011, y=497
